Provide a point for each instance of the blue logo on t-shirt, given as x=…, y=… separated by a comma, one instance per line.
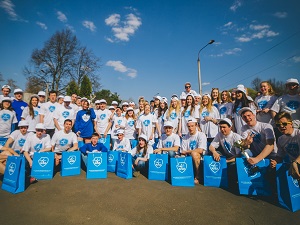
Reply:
x=262, y=104
x=223, y=110
x=173, y=116
x=168, y=144
x=51, y=108
x=130, y=123
x=102, y=116
x=5, y=117
x=204, y=114
x=187, y=114
x=293, y=105
x=36, y=113
x=63, y=142
x=119, y=122
x=238, y=109
x=120, y=147
x=65, y=114
x=293, y=149
x=146, y=123
x=193, y=145
x=21, y=142
x=38, y=147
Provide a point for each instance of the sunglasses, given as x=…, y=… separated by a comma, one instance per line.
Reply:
x=283, y=124
x=187, y=86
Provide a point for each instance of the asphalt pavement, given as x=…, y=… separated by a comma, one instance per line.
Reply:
x=76, y=200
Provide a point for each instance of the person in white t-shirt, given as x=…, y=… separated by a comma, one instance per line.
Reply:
x=288, y=144
x=7, y=117
x=31, y=113
x=188, y=89
x=6, y=89
x=103, y=119
x=42, y=98
x=225, y=107
x=130, y=124
x=169, y=142
x=47, y=112
x=259, y=136
x=17, y=138
x=195, y=145
x=62, y=113
x=64, y=140
x=173, y=113
x=118, y=122
x=36, y=142
x=122, y=143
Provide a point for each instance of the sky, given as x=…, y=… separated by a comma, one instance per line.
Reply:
x=151, y=47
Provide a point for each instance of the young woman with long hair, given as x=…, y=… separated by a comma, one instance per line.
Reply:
x=7, y=117
x=31, y=113
x=130, y=126
x=225, y=107
x=215, y=97
x=173, y=113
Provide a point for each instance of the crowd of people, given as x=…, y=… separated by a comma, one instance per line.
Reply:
x=187, y=125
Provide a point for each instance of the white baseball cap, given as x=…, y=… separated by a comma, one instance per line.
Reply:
x=245, y=109
x=6, y=99
x=97, y=102
x=129, y=108
x=6, y=86
x=111, y=107
x=225, y=120
x=164, y=99
x=168, y=124
x=40, y=126
x=23, y=123
x=131, y=103
x=182, y=96
x=192, y=120
x=124, y=103
x=67, y=99
x=241, y=88
x=60, y=96
x=18, y=90
x=292, y=80
x=115, y=103
x=120, y=131
x=102, y=101
x=41, y=93
x=208, y=95
x=143, y=136
x=157, y=97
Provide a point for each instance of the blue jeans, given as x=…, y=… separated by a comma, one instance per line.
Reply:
x=84, y=158
x=140, y=166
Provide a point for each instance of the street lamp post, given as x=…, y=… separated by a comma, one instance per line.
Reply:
x=198, y=61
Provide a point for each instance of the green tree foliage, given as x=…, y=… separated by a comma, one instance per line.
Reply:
x=72, y=88
x=108, y=96
x=85, y=87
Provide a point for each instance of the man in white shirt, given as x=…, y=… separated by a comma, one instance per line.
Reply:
x=47, y=112
x=195, y=145
x=122, y=143
x=259, y=136
x=103, y=118
x=188, y=89
x=64, y=112
x=42, y=98
x=169, y=142
x=5, y=92
x=64, y=140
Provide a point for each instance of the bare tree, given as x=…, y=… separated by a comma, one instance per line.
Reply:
x=34, y=84
x=12, y=83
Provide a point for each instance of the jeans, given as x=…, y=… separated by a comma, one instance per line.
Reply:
x=84, y=159
x=140, y=166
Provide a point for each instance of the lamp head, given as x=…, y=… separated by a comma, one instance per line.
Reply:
x=211, y=41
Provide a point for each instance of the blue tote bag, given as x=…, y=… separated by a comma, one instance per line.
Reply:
x=105, y=141
x=215, y=173
x=251, y=182
x=158, y=167
x=288, y=189
x=182, y=172
x=70, y=163
x=112, y=159
x=96, y=165
x=124, y=165
x=14, y=175
x=43, y=165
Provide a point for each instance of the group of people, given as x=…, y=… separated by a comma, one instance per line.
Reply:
x=187, y=125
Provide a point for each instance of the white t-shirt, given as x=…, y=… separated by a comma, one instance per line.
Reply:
x=117, y=120
x=19, y=139
x=32, y=121
x=7, y=118
x=48, y=109
x=265, y=102
x=238, y=121
x=34, y=144
x=174, y=118
x=122, y=145
x=262, y=132
x=225, y=110
x=209, y=128
x=102, y=119
x=289, y=104
x=186, y=116
x=192, y=142
x=133, y=152
x=63, y=141
x=62, y=113
x=130, y=131
x=289, y=144
x=168, y=142
x=227, y=143
x=146, y=123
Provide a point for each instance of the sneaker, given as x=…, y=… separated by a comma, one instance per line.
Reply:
x=136, y=173
x=32, y=180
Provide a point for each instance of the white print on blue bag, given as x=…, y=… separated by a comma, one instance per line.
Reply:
x=72, y=159
x=43, y=161
x=215, y=166
x=158, y=163
x=97, y=161
x=181, y=166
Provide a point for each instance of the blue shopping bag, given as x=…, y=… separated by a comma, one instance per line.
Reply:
x=43, y=165
x=14, y=175
x=288, y=189
x=251, y=182
x=182, y=172
x=215, y=173
x=124, y=165
x=96, y=165
x=112, y=159
x=70, y=163
x=158, y=167
x=105, y=141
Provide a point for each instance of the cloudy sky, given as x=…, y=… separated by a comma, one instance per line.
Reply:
x=150, y=47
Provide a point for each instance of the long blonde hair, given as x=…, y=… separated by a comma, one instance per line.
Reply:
x=177, y=109
x=209, y=105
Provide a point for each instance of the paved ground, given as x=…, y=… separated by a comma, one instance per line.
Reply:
x=75, y=200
